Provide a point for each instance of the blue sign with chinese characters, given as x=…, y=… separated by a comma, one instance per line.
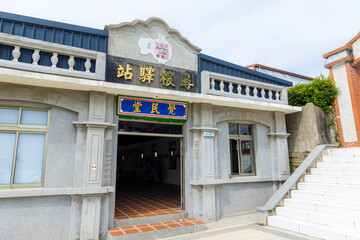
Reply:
x=151, y=109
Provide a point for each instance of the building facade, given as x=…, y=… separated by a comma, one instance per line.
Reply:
x=86, y=113
x=343, y=64
x=288, y=76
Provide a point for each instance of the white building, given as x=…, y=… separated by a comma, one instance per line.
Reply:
x=288, y=76
x=104, y=129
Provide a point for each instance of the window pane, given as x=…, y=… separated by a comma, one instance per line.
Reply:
x=29, y=158
x=246, y=157
x=245, y=130
x=233, y=129
x=7, y=145
x=33, y=117
x=9, y=115
x=234, y=156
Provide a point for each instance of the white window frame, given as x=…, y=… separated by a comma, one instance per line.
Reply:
x=23, y=128
x=238, y=137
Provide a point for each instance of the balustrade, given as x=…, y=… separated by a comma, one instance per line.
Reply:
x=218, y=84
x=52, y=58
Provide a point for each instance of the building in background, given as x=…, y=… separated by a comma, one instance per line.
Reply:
x=343, y=64
x=106, y=129
x=288, y=76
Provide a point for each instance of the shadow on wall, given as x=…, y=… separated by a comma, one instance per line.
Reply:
x=308, y=128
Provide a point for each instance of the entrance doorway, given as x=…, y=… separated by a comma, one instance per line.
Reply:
x=149, y=170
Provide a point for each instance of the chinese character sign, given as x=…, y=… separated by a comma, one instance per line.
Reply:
x=141, y=108
x=138, y=73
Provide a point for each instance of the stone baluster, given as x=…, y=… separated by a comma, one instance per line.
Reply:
x=87, y=65
x=36, y=56
x=54, y=60
x=231, y=87
x=71, y=62
x=239, y=88
x=277, y=95
x=16, y=54
x=221, y=86
x=212, y=84
x=262, y=93
x=270, y=94
x=247, y=91
x=255, y=92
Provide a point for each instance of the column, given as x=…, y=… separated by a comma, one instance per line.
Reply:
x=204, y=162
x=91, y=141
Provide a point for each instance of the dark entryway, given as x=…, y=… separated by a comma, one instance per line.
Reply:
x=148, y=176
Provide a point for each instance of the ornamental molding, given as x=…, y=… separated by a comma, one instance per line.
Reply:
x=148, y=23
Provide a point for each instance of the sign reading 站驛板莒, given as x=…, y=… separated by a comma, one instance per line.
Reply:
x=151, y=109
x=135, y=72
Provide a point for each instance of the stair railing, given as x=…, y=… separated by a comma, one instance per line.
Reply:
x=290, y=184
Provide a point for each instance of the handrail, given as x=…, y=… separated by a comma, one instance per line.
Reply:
x=293, y=179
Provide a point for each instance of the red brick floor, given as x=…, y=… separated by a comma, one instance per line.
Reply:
x=153, y=226
x=142, y=199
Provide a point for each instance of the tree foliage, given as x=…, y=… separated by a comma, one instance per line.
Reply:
x=321, y=92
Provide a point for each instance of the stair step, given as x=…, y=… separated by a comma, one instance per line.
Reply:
x=340, y=165
x=326, y=197
x=156, y=230
x=344, y=151
x=150, y=219
x=330, y=188
x=331, y=220
x=312, y=229
x=337, y=209
x=332, y=179
x=335, y=171
x=327, y=204
x=343, y=159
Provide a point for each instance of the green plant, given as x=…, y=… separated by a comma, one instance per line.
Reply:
x=321, y=92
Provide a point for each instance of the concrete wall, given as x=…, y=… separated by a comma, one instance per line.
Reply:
x=124, y=38
x=215, y=193
x=36, y=218
x=311, y=121
x=356, y=48
x=69, y=204
x=244, y=197
x=345, y=103
x=41, y=217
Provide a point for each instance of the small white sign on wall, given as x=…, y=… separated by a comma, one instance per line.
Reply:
x=159, y=48
x=208, y=134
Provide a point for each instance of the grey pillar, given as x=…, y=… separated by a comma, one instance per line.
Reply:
x=204, y=162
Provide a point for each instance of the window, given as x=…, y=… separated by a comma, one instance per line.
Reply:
x=23, y=137
x=241, y=149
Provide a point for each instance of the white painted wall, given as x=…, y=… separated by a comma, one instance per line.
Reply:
x=287, y=77
x=345, y=104
x=356, y=48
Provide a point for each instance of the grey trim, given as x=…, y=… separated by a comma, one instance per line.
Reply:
x=40, y=192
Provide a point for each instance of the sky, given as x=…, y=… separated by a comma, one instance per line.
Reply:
x=290, y=35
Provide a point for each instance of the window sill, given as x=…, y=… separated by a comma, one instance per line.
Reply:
x=39, y=192
x=236, y=179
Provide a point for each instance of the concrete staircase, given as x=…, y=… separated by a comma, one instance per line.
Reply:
x=155, y=227
x=327, y=203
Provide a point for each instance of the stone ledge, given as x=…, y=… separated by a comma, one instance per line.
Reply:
x=236, y=179
x=40, y=192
